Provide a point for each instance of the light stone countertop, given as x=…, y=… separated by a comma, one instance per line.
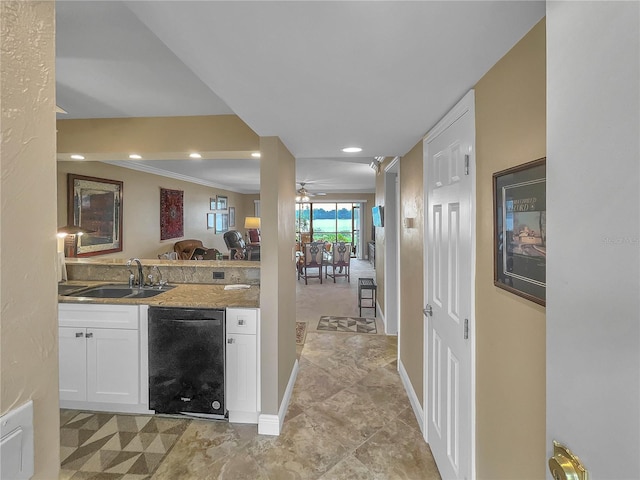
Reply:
x=183, y=295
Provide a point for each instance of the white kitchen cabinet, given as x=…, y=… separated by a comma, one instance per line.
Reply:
x=73, y=363
x=99, y=365
x=102, y=364
x=113, y=373
x=242, y=365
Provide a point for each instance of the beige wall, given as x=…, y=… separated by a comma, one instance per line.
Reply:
x=412, y=266
x=141, y=208
x=278, y=290
x=29, y=325
x=510, y=370
x=155, y=135
x=510, y=343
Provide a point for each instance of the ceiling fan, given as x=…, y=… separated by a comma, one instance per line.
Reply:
x=304, y=195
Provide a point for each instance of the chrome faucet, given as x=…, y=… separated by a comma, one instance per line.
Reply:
x=159, y=282
x=140, y=275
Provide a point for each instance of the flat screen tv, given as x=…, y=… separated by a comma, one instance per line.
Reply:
x=378, y=216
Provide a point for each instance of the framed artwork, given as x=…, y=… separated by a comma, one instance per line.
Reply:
x=232, y=217
x=171, y=214
x=211, y=223
x=213, y=204
x=222, y=202
x=222, y=222
x=95, y=204
x=520, y=230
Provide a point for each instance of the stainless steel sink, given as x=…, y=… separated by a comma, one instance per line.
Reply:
x=119, y=291
x=64, y=289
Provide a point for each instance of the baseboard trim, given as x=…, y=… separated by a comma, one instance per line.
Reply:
x=272, y=424
x=413, y=398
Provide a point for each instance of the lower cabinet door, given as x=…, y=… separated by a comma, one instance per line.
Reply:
x=73, y=363
x=113, y=370
x=242, y=375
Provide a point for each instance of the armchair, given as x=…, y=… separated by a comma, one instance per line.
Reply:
x=254, y=236
x=193, y=250
x=238, y=249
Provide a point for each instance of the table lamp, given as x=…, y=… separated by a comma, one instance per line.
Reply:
x=251, y=223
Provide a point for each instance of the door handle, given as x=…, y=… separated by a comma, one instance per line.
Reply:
x=230, y=340
x=89, y=335
x=564, y=465
x=428, y=310
x=79, y=334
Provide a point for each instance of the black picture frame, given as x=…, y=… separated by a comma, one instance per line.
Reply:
x=520, y=232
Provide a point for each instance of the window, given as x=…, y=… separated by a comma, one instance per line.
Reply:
x=328, y=222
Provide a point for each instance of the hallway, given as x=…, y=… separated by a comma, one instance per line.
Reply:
x=349, y=416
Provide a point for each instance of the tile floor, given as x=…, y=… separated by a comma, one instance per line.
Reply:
x=349, y=416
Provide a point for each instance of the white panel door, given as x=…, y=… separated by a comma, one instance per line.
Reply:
x=73, y=363
x=113, y=366
x=593, y=199
x=449, y=188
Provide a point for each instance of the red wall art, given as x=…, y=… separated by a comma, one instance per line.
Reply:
x=171, y=214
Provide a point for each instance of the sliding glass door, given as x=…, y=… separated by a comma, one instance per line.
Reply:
x=328, y=222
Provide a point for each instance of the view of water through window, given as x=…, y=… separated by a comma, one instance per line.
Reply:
x=328, y=222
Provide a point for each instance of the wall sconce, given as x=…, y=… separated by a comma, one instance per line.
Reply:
x=407, y=222
x=70, y=233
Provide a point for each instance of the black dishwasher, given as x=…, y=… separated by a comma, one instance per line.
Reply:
x=186, y=361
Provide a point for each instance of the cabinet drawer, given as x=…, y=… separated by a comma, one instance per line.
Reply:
x=242, y=320
x=98, y=316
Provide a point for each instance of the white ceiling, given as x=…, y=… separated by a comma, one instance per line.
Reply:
x=320, y=75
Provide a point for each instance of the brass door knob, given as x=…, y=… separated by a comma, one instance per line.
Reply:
x=564, y=465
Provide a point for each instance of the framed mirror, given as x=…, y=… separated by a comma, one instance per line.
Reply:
x=95, y=204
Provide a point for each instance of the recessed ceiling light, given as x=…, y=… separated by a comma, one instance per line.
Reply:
x=255, y=154
x=195, y=155
x=351, y=149
x=135, y=156
x=75, y=156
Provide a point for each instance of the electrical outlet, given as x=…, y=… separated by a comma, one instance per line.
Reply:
x=218, y=275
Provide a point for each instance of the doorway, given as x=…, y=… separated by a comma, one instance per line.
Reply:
x=391, y=247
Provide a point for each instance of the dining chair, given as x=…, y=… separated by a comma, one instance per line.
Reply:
x=339, y=261
x=312, y=259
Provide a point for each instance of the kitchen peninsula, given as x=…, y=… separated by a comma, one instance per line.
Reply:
x=105, y=348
